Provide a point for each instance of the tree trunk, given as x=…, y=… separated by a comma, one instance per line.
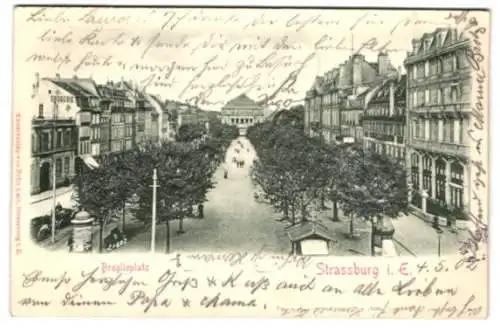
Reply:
x=372, y=237
x=293, y=215
x=101, y=230
x=351, y=226
x=335, y=211
x=303, y=209
x=285, y=209
x=123, y=217
x=167, y=236
x=181, y=225
x=322, y=201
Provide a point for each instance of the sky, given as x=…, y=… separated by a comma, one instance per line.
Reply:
x=209, y=56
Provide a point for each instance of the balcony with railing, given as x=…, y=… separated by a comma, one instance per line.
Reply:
x=458, y=107
x=440, y=147
x=393, y=118
x=84, y=118
x=455, y=75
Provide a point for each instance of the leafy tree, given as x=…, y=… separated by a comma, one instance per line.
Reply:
x=376, y=187
x=94, y=193
x=119, y=167
x=184, y=173
x=190, y=132
x=288, y=171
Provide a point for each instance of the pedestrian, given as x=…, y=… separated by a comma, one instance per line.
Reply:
x=70, y=244
x=200, y=210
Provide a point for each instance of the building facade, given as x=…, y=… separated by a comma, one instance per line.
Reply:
x=53, y=141
x=242, y=112
x=157, y=117
x=75, y=99
x=384, y=119
x=335, y=102
x=119, y=113
x=438, y=114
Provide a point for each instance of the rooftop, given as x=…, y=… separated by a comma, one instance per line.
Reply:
x=242, y=101
x=308, y=229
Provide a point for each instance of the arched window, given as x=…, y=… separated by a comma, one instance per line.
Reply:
x=441, y=179
x=457, y=185
x=415, y=171
x=427, y=174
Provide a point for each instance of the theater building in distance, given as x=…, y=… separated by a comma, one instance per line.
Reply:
x=242, y=112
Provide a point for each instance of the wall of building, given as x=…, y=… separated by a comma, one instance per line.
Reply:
x=438, y=96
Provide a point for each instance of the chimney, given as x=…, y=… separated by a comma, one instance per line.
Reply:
x=75, y=76
x=58, y=76
x=415, y=43
x=383, y=63
x=357, y=69
x=342, y=81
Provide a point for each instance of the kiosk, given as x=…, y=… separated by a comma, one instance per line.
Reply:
x=309, y=238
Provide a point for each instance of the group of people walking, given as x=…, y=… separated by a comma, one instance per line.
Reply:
x=239, y=156
x=239, y=163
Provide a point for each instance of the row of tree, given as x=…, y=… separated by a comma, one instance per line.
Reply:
x=298, y=173
x=184, y=170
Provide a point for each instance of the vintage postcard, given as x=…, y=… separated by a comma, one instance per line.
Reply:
x=250, y=162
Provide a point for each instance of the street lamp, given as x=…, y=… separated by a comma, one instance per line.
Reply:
x=54, y=176
x=153, y=217
x=439, y=231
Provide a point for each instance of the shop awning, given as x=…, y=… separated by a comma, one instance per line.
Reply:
x=90, y=161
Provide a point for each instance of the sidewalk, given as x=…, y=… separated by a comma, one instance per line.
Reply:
x=413, y=236
x=132, y=228
x=48, y=194
x=418, y=236
x=345, y=245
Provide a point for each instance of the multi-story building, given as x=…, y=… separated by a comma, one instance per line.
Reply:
x=120, y=108
x=177, y=114
x=73, y=99
x=169, y=120
x=157, y=117
x=335, y=102
x=105, y=120
x=439, y=106
x=384, y=118
x=243, y=112
x=53, y=140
